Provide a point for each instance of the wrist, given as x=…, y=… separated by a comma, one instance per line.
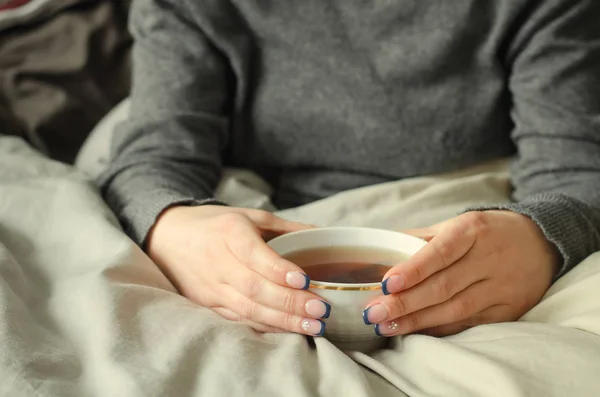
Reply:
x=170, y=220
x=161, y=227
x=545, y=247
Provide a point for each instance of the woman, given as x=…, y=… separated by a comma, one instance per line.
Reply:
x=323, y=96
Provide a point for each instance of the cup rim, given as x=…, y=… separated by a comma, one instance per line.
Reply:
x=352, y=286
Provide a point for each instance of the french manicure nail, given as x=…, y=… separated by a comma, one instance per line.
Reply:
x=374, y=314
x=318, y=308
x=392, y=284
x=314, y=327
x=386, y=329
x=297, y=280
x=376, y=328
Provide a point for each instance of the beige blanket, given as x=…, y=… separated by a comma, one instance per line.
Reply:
x=83, y=312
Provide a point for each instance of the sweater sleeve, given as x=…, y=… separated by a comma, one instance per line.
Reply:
x=555, y=84
x=168, y=152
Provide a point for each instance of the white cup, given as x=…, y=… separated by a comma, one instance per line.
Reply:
x=345, y=326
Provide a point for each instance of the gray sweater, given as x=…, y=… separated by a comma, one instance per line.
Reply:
x=320, y=96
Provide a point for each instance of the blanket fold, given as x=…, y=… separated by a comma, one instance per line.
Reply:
x=84, y=312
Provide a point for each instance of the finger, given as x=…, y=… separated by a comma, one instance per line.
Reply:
x=268, y=235
x=454, y=239
x=267, y=221
x=259, y=289
x=232, y=316
x=214, y=302
x=252, y=252
x=494, y=314
x=425, y=233
x=435, y=290
x=463, y=305
x=252, y=311
x=445, y=330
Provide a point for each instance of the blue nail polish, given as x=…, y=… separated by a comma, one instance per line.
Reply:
x=384, y=286
x=366, y=316
x=377, y=330
x=307, y=281
x=322, y=328
x=327, y=310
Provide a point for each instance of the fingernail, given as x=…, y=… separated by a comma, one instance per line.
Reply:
x=374, y=314
x=314, y=327
x=386, y=329
x=297, y=280
x=392, y=284
x=318, y=308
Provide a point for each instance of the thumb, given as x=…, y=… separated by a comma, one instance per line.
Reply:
x=280, y=227
x=267, y=221
x=425, y=233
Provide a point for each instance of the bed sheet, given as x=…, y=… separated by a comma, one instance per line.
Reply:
x=83, y=312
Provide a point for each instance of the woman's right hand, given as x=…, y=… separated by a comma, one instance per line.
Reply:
x=217, y=257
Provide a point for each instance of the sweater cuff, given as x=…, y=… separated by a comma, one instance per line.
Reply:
x=561, y=220
x=140, y=214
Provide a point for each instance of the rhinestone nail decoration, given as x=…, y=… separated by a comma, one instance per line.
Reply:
x=393, y=326
x=305, y=325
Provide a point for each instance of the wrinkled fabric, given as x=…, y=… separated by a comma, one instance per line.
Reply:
x=19, y=12
x=85, y=313
x=62, y=72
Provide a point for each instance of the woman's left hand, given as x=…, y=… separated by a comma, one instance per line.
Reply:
x=477, y=268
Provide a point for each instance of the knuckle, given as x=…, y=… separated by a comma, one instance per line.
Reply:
x=289, y=302
x=399, y=305
x=417, y=271
x=461, y=308
x=244, y=250
x=475, y=221
x=247, y=309
x=492, y=257
x=274, y=266
x=253, y=287
x=444, y=286
x=238, y=318
x=444, y=250
x=230, y=221
x=414, y=323
x=288, y=322
x=249, y=252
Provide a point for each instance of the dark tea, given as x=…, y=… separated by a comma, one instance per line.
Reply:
x=346, y=264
